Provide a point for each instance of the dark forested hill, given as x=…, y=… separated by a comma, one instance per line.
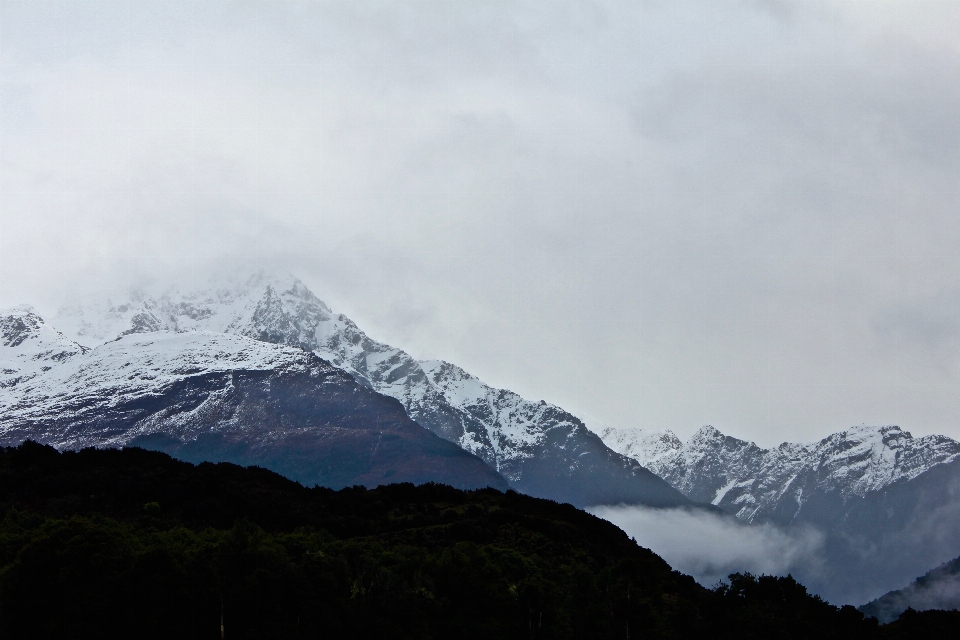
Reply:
x=939, y=588
x=131, y=543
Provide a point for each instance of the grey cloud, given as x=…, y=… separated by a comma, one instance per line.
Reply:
x=663, y=214
x=932, y=322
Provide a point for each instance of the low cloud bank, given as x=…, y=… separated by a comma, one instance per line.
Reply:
x=711, y=546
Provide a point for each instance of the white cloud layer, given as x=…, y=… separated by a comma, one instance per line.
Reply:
x=710, y=546
x=662, y=214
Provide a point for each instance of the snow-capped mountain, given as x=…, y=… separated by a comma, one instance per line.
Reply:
x=888, y=503
x=775, y=484
x=646, y=447
x=541, y=449
x=217, y=396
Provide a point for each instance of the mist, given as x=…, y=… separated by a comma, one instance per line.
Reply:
x=710, y=546
x=935, y=594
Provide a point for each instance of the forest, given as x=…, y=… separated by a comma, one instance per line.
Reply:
x=135, y=543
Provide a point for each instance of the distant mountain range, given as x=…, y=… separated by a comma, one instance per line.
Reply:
x=157, y=366
x=888, y=503
x=783, y=484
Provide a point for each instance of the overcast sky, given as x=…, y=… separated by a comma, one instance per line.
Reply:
x=661, y=214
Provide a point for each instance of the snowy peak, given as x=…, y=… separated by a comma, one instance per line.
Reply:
x=867, y=458
x=638, y=444
x=710, y=446
x=535, y=445
x=287, y=315
x=266, y=306
x=708, y=435
x=28, y=346
x=752, y=482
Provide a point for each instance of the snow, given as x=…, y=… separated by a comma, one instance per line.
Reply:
x=239, y=315
x=722, y=491
x=146, y=338
x=29, y=347
x=135, y=366
x=737, y=474
x=496, y=424
x=648, y=446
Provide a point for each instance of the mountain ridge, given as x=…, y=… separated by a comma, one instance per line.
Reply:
x=756, y=483
x=538, y=447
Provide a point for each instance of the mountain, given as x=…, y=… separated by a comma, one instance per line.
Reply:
x=778, y=484
x=215, y=396
x=937, y=589
x=888, y=503
x=539, y=448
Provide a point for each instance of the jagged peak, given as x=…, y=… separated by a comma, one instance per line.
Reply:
x=669, y=436
x=708, y=435
x=21, y=323
x=862, y=432
x=18, y=325
x=29, y=346
x=707, y=432
x=448, y=368
x=219, y=302
x=214, y=286
x=889, y=436
x=280, y=282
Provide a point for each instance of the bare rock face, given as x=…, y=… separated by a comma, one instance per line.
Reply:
x=539, y=448
x=222, y=397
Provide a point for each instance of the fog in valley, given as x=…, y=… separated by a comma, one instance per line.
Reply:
x=710, y=546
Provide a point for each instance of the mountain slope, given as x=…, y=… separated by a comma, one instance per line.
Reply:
x=937, y=589
x=217, y=396
x=28, y=347
x=888, y=503
x=539, y=448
